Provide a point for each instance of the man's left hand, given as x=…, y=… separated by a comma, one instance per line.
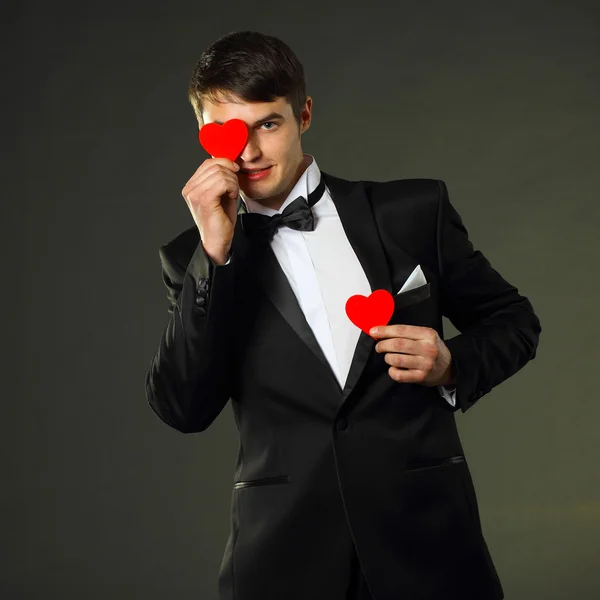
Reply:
x=416, y=354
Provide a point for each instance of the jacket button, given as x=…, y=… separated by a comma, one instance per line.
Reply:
x=202, y=283
x=201, y=311
x=342, y=424
x=200, y=301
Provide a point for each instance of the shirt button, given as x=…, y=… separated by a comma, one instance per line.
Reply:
x=342, y=424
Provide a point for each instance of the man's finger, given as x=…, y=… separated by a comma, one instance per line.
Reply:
x=401, y=345
x=412, y=332
x=406, y=375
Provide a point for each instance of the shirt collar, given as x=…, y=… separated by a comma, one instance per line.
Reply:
x=307, y=183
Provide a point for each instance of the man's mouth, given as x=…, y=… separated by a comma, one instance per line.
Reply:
x=254, y=170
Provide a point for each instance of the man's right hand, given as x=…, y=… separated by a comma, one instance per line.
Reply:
x=211, y=195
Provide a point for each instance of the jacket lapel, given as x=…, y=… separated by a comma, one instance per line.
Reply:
x=358, y=220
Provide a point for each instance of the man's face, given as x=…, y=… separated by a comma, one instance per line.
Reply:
x=273, y=141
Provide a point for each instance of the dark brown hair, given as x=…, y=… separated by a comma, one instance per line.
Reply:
x=251, y=65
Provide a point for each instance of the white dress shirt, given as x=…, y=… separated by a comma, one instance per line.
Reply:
x=323, y=271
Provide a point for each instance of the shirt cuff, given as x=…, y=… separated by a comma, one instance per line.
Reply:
x=214, y=264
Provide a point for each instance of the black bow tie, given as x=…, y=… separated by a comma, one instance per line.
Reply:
x=297, y=215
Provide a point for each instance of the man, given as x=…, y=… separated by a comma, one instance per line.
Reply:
x=351, y=481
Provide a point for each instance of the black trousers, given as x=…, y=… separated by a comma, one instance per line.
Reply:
x=358, y=589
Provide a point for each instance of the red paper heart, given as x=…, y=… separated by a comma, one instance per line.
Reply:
x=366, y=312
x=224, y=141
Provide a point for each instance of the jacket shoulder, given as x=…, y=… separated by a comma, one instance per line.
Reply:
x=419, y=188
x=417, y=197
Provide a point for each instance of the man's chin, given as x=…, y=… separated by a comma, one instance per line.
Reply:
x=257, y=192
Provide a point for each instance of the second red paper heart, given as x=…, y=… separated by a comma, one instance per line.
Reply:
x=372, y=311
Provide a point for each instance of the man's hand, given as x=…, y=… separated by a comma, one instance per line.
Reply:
x=417, y=354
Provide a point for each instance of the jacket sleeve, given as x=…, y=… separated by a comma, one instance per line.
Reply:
x=499, y=331
x=189, y=378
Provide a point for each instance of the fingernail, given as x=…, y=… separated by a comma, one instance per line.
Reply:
x=374, y=331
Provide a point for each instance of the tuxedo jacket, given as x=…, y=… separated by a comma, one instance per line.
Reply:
x=377, y=466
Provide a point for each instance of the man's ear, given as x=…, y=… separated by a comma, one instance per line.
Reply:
x=304, y=126
x=307, y=107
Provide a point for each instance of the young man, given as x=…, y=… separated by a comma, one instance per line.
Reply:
x=351, y=480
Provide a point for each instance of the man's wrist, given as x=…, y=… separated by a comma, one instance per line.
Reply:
x=448, y=378
x=219, y=256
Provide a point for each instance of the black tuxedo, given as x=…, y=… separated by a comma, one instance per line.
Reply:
x=377, y=466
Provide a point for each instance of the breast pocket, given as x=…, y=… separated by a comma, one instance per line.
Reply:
x=418, y=294
x=413, y=306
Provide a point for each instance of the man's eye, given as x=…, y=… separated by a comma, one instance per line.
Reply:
x=269, y=122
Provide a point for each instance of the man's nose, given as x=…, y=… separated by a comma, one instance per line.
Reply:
x=250, y=152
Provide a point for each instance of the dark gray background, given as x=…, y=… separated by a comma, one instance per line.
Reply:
x=500, y=100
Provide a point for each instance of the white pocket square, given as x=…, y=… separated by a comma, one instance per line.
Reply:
x=415, y=279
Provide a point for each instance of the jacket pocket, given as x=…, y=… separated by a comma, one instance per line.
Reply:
x=413, y=466
x=409, y=297
x=262, y=481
